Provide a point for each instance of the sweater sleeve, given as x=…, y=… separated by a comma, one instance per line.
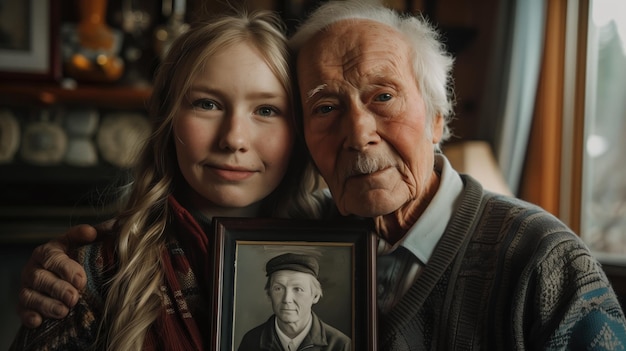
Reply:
x=78, y=330
x=575, y=307
x=74, y=332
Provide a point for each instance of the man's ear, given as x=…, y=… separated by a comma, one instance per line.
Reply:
x=437, y=128
x=316, y=298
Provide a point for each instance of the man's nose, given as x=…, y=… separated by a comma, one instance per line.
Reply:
x=360, y=127
x=287, y=296
x=235, y=132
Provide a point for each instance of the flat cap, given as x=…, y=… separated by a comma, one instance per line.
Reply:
x=293, y=262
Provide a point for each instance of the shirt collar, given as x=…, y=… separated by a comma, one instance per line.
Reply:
x=423, y=236
x=284, y=339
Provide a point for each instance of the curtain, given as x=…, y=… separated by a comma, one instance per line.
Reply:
x=509, y=96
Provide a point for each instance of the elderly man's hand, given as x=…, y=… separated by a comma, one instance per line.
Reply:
x=51, y=280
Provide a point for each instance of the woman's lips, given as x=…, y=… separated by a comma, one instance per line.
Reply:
x=232, y=173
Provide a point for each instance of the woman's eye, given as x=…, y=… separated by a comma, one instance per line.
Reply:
x=266, y=111
x=205, y=104
x=383, y=97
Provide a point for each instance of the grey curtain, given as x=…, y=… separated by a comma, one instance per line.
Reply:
x=509, y=96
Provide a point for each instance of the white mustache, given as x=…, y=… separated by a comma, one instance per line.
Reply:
x=366, y=164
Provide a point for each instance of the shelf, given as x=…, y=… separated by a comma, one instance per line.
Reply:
x=57, y=186
x=49, y=94
x=25, y=173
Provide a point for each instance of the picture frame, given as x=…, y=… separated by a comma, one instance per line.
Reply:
x=346, y=253
x=29, y=40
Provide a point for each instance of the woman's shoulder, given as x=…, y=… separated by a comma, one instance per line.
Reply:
x=98, y=261
x=96, y=251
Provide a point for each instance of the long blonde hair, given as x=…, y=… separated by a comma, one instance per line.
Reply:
x=134, y=301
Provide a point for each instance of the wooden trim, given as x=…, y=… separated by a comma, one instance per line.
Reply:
x=579, y=118
x=98, y=95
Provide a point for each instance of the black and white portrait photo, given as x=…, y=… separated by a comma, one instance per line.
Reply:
x=293, y=293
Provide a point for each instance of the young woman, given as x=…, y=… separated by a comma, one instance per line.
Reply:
x=223, y=144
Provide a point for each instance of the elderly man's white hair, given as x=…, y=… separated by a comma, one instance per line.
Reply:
x=432, y=64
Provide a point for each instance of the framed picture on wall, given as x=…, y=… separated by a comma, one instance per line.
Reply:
x=270, y=273
x=29, y=39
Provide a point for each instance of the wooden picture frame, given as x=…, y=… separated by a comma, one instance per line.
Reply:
x=345, y=250
x=29, y=40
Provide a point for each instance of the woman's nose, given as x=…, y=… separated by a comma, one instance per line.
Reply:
x=234, y=134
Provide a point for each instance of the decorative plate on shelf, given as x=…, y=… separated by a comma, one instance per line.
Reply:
x=121, y=137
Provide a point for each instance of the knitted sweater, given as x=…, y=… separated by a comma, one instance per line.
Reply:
x=506, y=275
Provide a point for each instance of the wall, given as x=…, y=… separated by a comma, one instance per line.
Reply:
x=467, y=27
x=12, y=259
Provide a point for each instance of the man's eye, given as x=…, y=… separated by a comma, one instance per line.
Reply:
x=324, y=109
x=383, y=97
x=205, y=104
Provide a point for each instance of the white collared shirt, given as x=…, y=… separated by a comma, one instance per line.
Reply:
x=424, y=235
x=284, y=339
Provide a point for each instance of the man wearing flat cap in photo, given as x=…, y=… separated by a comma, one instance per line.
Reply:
x=293, y=288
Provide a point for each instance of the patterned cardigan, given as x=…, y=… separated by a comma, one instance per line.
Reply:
x=506, y=275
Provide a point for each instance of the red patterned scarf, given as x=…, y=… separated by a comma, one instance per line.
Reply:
x=177, y=328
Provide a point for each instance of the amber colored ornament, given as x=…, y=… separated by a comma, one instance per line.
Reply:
x=95, y=36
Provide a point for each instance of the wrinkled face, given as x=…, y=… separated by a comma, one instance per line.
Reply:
x=292, y=297
x=233, y=137
x=364, y=118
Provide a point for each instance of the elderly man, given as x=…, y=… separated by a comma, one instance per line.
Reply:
x=459, y=267
x=293, y=288
x=466, y=269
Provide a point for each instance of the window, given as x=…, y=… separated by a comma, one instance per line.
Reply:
x=603, y=132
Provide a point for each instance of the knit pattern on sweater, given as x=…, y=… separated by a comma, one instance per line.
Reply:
x=506, y=275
